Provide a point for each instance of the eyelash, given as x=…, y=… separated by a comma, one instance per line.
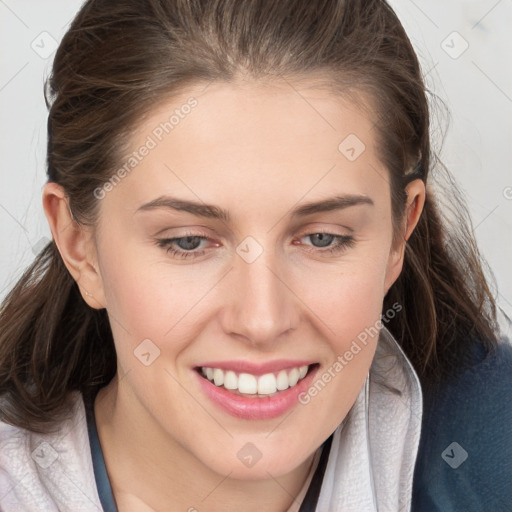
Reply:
x=343, y=242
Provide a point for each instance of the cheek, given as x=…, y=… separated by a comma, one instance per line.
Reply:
x=349, y=309
x=347, y=301
x=149, y=298
x=143, y=300
x=353, y=317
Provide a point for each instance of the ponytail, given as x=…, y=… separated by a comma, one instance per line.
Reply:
x=51, y=342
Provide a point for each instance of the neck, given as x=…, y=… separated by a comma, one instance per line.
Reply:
x=149, y=470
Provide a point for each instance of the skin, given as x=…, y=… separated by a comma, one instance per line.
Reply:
x=258, y=150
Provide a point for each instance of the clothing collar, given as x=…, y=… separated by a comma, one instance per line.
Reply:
x=373, y=453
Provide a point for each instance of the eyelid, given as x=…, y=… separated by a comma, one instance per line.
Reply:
x=197, y=230
x=331, y=230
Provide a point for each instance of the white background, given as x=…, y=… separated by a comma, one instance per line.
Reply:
x=476, y=86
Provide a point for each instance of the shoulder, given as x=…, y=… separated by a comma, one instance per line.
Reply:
x=50, y=471
x=465, y=456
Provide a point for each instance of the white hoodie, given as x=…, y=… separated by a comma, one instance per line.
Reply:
x=370, y=466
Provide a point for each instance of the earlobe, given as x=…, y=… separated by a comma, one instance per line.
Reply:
x=75, y=244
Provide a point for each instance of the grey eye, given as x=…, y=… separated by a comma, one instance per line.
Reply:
x=191, y=242
x=324, y=238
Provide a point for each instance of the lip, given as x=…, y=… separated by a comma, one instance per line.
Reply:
x=256, y=408
x=255, y=368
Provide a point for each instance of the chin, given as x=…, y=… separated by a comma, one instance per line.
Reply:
x=245, y=461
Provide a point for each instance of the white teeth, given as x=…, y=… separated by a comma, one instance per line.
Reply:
x=267, y=384
x=230, y=380
x=282, y=380
x=293, y=377
x=249, y=384
x=218, y=377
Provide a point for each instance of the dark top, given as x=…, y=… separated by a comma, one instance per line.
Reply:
x=105, y=490
x=464, y=460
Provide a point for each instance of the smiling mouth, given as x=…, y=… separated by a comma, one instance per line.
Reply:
x=255, y=386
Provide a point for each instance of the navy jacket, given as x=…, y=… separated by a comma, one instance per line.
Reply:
x=464, y=461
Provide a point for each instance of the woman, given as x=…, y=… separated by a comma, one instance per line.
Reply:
x=250, y=292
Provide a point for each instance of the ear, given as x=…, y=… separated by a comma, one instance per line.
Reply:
x=416, y=193
x=75, y=244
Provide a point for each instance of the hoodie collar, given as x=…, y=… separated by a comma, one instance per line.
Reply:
x=373, y=452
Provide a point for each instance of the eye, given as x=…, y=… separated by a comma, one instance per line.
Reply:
x=183, y=246
x=187, y=246
x=188, y=243
x=325, y=242
x=325, y=239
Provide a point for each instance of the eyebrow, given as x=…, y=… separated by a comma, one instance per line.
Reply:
x=215, y=212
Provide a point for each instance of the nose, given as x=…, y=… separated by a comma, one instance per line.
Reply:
x=261, y=305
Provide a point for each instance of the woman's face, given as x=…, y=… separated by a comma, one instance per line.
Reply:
x=251, y=237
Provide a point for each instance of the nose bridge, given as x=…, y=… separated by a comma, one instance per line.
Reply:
x=262, y=306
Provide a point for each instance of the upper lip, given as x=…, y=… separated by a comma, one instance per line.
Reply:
x=256, y=368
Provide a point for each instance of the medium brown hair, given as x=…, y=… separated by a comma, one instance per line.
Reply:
x=119, y=59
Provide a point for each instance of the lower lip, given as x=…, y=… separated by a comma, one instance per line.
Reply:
x=256, y=408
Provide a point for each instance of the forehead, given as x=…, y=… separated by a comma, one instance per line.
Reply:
x=243, y=142
x=243, y=111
